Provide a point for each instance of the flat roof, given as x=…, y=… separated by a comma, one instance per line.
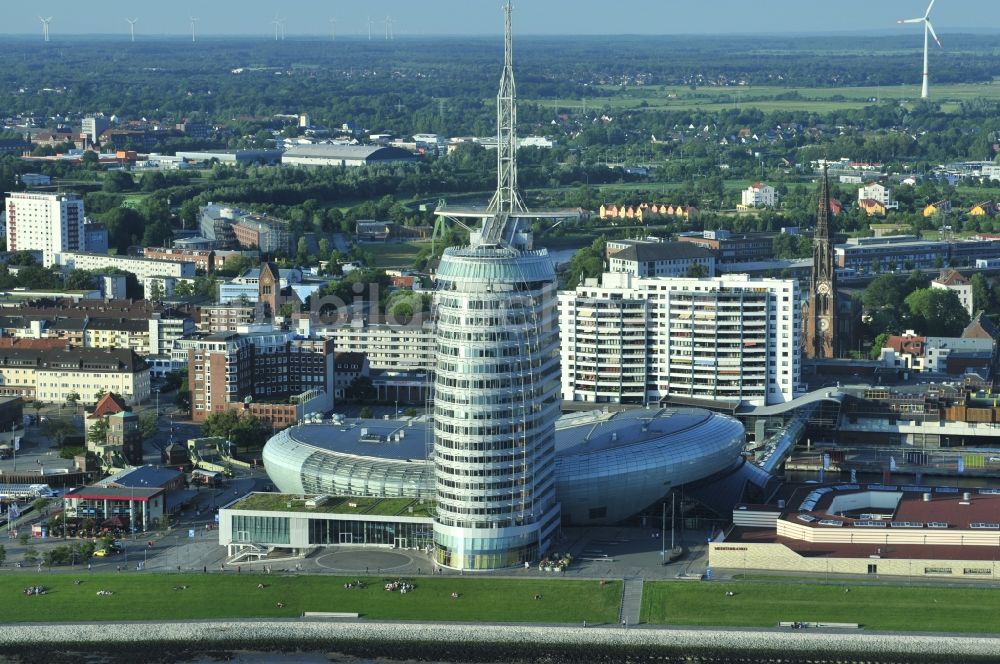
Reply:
x=947, y=505
x=409, y=439
x=148, y=476
x=357, y=505
x=400, y=440
x=113, y=493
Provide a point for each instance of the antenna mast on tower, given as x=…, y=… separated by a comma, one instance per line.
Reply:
x=507, y=199
x=505, y=218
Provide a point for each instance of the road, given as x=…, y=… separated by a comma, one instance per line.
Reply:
x=188, y=544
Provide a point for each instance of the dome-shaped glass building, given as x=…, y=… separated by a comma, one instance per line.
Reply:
x=607, y=466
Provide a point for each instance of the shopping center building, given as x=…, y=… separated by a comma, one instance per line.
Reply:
x=867, y=529
x=606, y=468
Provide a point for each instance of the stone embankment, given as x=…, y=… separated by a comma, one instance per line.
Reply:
x=518, y=640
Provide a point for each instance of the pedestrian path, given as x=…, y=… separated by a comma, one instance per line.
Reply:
x=631, y=605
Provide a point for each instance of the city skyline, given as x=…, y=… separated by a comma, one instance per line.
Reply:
x=453, y=17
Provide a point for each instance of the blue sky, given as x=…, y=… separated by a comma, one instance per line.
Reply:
x=427, y=17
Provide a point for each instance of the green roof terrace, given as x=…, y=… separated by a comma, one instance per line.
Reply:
x=358, y=505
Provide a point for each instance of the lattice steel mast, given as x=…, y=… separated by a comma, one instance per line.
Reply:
x=507, y=198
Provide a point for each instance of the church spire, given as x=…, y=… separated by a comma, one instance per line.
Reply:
x=823, y=212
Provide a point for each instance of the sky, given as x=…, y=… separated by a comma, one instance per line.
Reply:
x=483, y=17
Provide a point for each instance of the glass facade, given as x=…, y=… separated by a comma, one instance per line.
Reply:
x=261, y=529
x=496, y=398
x=299, y=466
x=386, y=533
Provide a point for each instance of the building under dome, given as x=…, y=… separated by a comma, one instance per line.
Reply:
x=608, y=466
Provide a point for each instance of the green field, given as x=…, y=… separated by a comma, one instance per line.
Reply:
x=898, y=608
x=153, y=597
x=394, y=254
x=772, y=98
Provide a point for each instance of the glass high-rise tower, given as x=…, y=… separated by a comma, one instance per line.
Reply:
x=496, y=385
x=496, y=399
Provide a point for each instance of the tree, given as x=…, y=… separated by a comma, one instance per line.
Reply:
x=183, y=398
x=73, y=398
x=981, y=295
x=118, y=181
x=80, y=280
x=242, y=429
x=361, y=389
x=587, y=263
x=31, y=556
x=3, y=554
x=58, y=430
x=155, y=291
x=38, y=277
x=97, y=434
x=87, y=549
x=696, y=271
x=149, y=424
x=880, y=342
x=125, y=227
x=937, y=312
x=882, y=292
x=366, y=413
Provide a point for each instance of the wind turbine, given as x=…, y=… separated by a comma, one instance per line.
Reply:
x=194, y=32
x=45, y=27
x=928, y=29
x=131, y=27
x=370, y=24
x=277, y=25
x=333, y=29
x=281, y=24
x=388, y=28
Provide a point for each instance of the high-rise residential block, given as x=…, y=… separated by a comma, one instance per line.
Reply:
x=639, y=340
x=50, y=223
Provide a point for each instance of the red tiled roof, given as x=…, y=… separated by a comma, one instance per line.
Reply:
x=911, y=344
x=32, y=344
x=109, y=404
x=951, y=277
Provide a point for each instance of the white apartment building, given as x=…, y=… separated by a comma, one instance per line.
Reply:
x=954, y=280
x=631, y=339
x=50, y=223
x=395, y=347
x=142, y=268
x=760, y=195
x=877, y=192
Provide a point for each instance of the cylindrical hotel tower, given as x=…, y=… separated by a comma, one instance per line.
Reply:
x=496, y=399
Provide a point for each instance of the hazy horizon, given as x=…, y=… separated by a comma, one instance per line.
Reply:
x=232, y=18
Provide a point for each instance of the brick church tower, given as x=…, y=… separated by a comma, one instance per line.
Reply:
x=820, y=339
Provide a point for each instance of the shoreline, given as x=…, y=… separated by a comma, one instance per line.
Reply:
x=179, y=641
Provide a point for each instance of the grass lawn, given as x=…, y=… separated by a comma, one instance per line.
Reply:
x=394, y=254
x=152, y=597
x=770, y=98
x=898, y=608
